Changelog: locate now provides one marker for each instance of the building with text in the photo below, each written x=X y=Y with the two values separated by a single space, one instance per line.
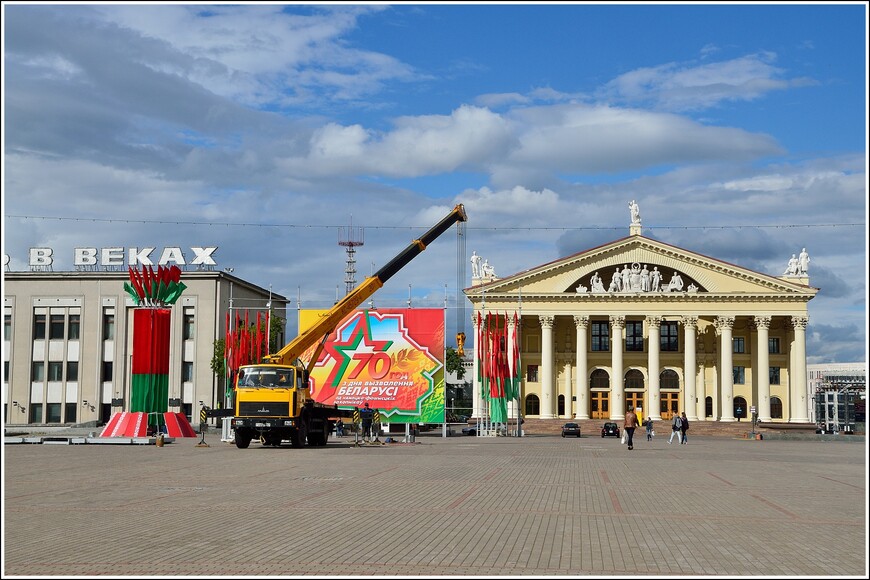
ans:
x=68 y=339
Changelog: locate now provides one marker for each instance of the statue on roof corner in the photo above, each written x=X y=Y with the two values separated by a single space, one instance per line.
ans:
x=635 y=212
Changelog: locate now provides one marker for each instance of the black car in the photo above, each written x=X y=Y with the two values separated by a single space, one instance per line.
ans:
x=610 y=430
x=470 y=430
x=571 y=429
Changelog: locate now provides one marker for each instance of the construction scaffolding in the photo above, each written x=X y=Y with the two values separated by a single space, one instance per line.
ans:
x=840 y=403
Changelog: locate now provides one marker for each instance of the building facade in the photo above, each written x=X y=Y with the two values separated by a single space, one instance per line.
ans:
x=68 y=340
x=641 y=324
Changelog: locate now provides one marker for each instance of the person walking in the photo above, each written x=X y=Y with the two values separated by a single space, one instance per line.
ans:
x=339 y=428
x=684 y=426
x=675 y=429
x=649 y=429
x=629 y=426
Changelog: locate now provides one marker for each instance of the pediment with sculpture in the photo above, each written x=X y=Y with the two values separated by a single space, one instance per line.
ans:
x=636 y=278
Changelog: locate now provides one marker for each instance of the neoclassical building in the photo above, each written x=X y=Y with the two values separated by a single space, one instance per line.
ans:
x=643 y=324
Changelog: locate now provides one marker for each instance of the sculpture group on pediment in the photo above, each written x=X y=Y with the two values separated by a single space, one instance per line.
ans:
x=635 y=278
x=481 y=270
x=798 y=265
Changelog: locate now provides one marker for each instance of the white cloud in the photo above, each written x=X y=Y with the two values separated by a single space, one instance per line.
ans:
x=681 y=87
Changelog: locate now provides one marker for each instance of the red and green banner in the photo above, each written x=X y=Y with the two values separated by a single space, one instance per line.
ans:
x=498 y=362
x=245 y=343
x=392 y=359
x=149 y=392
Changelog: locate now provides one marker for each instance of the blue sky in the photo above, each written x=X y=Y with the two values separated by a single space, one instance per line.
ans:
x=740 y=129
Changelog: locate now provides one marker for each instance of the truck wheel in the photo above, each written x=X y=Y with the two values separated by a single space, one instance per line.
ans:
x=242 y=440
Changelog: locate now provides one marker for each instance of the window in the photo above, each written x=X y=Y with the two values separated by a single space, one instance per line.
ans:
x=599 y=379
x=189 y=324
x=107 y=371
x=6 y=371
x=669 y=337
x=739 y=344
x=775 y=408
x=708 y=407
x=7 y=327
x=186 y=372
x=774 y=375
x=72 y=371
x=773 y=345
x=533 y=405
x=38 y=372
x=52 y=413
x=634 y=379
x=36 y=413
x=72 y=331
x=109 y=324
x=70 y=413
x=600 y=336
x=532 y=373
x=39 y=328
x=55 y=371
x=55 y=327
x=634 y=336
x=669 y=379
x=739 y=375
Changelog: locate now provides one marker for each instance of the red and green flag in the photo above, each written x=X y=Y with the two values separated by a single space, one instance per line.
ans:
x=149 y=391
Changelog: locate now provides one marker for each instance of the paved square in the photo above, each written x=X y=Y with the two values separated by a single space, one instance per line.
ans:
x=539 y=505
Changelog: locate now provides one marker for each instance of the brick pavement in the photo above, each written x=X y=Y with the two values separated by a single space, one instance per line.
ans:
x=457 y=506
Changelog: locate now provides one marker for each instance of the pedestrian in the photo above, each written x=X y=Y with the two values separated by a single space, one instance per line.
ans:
x=675 y=429
x=684 y=426
x=649 y=429
x=630 y=423
x=367 y=416
x=339 y=428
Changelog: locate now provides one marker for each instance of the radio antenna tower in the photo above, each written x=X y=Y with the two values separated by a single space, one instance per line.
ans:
x=351 y=238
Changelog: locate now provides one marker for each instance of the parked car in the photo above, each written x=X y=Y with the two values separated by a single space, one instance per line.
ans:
x=470 y=430
x=610 y=430
x=571 y=429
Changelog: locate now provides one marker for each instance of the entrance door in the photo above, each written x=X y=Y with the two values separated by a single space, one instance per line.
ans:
x=670 y=405
x=599 y=405
x=633 y=401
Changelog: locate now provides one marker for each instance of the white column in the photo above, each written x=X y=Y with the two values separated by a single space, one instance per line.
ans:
x=582 y=377
x=547 y=402
x=798 y=375
x=653 y=410
x=690 y=365
x=762 y=370
x=569 y=405
x=476 y=396
x=617 y=380
x=725 y=324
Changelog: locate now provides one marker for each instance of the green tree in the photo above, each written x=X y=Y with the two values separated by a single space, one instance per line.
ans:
x=454 y=363
x=219 y=366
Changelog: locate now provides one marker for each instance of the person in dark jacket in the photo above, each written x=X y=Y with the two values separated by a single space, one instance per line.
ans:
x=649 y=428
x=684 y=426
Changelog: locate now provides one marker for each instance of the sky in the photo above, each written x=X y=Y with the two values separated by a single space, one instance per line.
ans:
x=269 y=130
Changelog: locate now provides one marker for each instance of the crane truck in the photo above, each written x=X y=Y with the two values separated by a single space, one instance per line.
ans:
x=272 y=398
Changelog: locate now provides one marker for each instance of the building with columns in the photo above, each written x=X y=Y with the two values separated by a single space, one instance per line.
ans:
x=641 y=324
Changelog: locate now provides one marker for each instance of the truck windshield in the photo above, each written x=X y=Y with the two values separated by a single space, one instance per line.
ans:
x=266 y=377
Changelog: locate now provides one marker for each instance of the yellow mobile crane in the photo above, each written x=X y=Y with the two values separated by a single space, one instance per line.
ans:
x=272 y=398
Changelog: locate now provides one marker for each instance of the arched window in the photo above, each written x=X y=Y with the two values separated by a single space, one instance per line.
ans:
x=708 y=407
x=634 y=379
x=740 y=409
x=561 y=404
x=669 y=379
x=599 y=379
x=775 y=408
x=533 y=405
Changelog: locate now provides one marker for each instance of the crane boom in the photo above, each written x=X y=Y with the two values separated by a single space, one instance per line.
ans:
x=326 y=323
